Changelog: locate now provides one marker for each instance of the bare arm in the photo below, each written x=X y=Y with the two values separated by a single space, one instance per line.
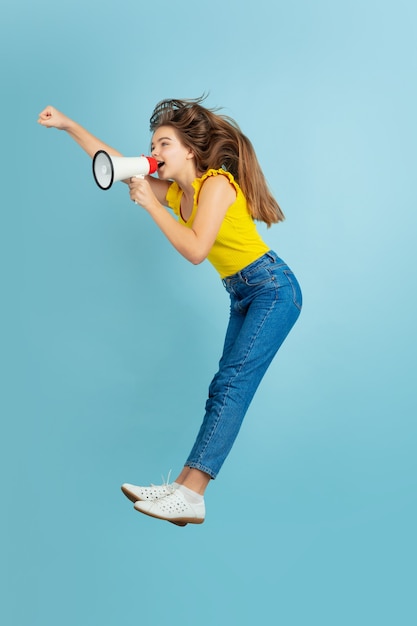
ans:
x=52 y=118
x=195 y=243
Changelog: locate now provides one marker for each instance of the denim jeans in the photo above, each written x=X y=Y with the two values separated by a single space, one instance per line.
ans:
x=265 y=302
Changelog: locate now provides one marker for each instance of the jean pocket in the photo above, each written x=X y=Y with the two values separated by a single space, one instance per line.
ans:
x=259 y=276
x=296 y=290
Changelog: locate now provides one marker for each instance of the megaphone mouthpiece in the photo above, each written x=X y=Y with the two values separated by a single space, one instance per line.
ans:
x=108 y=169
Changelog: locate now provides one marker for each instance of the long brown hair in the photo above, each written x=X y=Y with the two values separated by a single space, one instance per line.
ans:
x=217 y=142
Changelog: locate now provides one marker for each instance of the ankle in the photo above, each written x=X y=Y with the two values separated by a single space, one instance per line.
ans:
x=190 y=495
x=194 y=479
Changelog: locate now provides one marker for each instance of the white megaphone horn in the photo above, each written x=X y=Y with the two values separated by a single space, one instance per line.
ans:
x=110 y=169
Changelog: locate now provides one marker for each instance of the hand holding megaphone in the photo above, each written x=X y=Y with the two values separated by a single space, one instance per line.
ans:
x=109 y=169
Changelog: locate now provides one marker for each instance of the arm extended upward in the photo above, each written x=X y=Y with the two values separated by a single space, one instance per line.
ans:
x=52 y=118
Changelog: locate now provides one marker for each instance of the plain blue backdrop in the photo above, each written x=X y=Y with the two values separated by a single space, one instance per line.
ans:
x=109 y=338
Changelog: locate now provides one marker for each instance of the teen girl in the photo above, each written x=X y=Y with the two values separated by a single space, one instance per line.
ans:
x=209 y=176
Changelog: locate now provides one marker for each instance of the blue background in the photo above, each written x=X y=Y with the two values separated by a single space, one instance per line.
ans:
x=109 y=338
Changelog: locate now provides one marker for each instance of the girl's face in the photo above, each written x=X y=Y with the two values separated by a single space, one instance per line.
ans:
x=174 y=159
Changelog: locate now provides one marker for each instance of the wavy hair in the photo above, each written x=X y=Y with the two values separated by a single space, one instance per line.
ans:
x=217 y=142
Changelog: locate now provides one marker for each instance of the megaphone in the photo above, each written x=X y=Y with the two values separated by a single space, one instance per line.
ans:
x=109 y=169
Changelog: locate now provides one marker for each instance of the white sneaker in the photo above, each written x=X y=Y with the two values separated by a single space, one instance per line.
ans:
x=154 y=492
x=174 y=508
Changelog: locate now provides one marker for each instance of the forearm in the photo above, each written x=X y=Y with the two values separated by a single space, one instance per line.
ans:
x=196 y=242
x=184 y=239
x=88 y=142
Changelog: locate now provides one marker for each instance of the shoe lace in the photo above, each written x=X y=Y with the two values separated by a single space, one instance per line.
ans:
x=167 y=480
x=165 y=483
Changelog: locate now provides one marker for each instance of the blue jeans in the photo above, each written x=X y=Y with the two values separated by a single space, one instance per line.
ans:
x=265 y=303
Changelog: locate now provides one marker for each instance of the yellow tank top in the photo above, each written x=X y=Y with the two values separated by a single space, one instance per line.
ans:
x=238 y=242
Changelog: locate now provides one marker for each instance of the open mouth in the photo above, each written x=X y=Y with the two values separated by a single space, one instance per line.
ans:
x=161 y=164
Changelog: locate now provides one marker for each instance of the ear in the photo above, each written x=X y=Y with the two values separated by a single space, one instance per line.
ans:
x=190 y=154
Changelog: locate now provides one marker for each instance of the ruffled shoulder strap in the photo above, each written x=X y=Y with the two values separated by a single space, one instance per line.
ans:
x=220 y=172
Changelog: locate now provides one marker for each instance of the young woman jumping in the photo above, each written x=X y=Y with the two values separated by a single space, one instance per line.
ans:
x=210 y=178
